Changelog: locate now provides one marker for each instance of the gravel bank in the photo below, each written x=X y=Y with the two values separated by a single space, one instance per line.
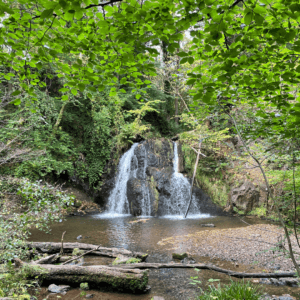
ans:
x=255 y=244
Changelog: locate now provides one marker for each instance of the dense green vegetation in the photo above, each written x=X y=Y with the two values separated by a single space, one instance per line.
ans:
x=235 y=290
x=80 y=81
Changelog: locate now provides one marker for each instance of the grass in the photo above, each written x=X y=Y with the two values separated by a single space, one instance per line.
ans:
x=235 y=290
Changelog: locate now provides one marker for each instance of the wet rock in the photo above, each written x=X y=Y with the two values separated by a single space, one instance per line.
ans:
x=285 y=297
x=79 y=237
x=293 y=282
x=179 y=256
x=158 y=298
x=265 y=281
x=53 y=288
x=245 y=197
x=89 y=296
x=275 y=267
x=280 y=282
x=208 y=225
x=188 y=260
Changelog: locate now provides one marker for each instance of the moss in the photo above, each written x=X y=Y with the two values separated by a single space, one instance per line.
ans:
x=77 y=252
x=131 y=260
x=84 y=286
x=179 y=256
x=155 y=192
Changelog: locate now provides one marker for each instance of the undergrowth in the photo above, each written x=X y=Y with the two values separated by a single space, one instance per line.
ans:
x=235 y=290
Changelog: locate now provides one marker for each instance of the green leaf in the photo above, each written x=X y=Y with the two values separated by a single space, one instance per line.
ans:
x=17 y=102
x=81 y=87
x=182 y=54
x=191 y=81
x=258 y=19
x=248 y=18
x=74 y=92
x=47 y=13
x=184 y=60
x=138 y=96
x=198 y=96
x=191 y=60
x=64 y=97
x=16 y=93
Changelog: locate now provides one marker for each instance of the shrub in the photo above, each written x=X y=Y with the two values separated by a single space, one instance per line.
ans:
x=235 y=290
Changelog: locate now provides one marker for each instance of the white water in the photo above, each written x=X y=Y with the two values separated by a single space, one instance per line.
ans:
x=117 y=201
x=180 y=196
x=146 y=201
x=175 y=205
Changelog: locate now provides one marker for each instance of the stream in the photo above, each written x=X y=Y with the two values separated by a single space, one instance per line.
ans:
x=168 y=283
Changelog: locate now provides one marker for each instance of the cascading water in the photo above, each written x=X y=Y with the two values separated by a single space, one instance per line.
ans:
x=134 y=173
x=117 y=201
x=146 y=201
x=181 y=189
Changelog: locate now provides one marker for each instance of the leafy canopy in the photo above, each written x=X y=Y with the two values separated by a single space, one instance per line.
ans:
x=248 y=50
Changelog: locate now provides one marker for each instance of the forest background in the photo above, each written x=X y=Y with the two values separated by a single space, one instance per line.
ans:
x=82 y=80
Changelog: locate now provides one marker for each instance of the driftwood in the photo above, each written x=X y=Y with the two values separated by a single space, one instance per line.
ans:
x=47 y=260
x=207 y=267
x=48 y=247
x=117 y=279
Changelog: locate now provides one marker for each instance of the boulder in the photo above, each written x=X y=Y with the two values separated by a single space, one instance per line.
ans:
x=245 y=197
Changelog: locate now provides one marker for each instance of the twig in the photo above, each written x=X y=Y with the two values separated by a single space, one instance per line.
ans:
x=62 y=244
x=81 y=255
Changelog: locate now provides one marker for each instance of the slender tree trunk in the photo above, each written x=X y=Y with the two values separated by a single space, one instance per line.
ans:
x=176 y=111
x=59 y=118
x=291 y=253
x=194 y=174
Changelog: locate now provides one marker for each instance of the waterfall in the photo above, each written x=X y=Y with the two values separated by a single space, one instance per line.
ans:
x=133 y=173
x=146 y=201
x=181 y=189
x=117 y=201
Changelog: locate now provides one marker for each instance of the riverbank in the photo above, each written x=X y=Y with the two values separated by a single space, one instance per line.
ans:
x=261 y=244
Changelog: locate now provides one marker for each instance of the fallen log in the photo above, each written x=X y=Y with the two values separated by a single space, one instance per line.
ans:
x=207 y=267
x=47 y=260
x=48 y=247
x=116 y=279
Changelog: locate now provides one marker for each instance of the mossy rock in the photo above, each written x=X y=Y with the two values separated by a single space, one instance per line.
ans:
x=179 y=256
x=77 y=252
x=121 y=259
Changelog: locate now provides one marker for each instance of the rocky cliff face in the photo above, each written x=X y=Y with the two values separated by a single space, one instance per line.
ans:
x=151 y=189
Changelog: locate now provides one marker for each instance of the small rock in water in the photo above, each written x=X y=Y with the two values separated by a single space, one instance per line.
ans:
x=208 y=225
x=275 y=267
x=89 y=296
x=62 y=289
x=265 y=281
x=188 y=260
x=79 y=237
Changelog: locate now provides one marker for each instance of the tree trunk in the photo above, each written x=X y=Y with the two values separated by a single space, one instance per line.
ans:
x=194 y=175
x=59 y=118
x=207 y=267
x=48 y=247
x=116 y=279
